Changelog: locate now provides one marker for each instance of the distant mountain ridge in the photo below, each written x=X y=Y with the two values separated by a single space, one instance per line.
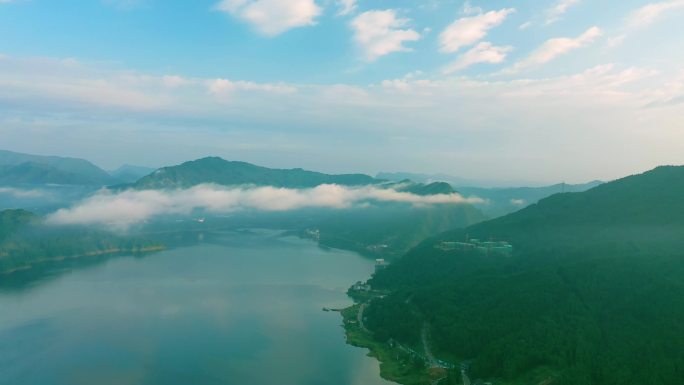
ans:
x=456 y=181
x=129 y=173
x=506 y=200
x=223 y=172
x=497 y=201
x=18 y=168
x=653 y=198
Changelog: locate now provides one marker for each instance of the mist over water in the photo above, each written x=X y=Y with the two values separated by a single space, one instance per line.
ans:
x=122 y=209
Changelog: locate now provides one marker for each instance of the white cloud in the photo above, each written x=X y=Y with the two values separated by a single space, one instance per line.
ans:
x=525 y=25
x=125 y=208
x=380 y=33
x=518 y=202
x=649 y=13
x=616 y=41
x=469 y=30
x=22 y=193
x=484 y=52
x=446 y=121
x=173 y=81
x=553 y=48
x=224 y=86
x=559 y=9
x=273 y=17
x=68 y=84
x=346 y=7
x=469 y=9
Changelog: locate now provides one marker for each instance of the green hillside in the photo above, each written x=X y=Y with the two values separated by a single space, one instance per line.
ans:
x=388 y=230
x=18 y=168
x=223 y=172
x=592 y=294
x=25 y=242
x=128 y=173
x=502 y=201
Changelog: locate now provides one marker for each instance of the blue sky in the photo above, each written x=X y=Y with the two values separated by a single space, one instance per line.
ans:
x=536 y=91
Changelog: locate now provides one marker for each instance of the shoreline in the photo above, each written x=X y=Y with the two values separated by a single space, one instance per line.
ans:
x=396 y=365
x=40 y=261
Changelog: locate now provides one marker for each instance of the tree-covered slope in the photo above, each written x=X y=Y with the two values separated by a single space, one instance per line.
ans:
x=219 y=171
x=25 y=241
x=502 y=201
x=18 y=168
x=593 y=293
x=387 y=230
x=13 y=220
x=129 y=173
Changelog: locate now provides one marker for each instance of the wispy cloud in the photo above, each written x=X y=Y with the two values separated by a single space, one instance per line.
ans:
x=482 y=53
x=556 y=47
x=23 y=193
x=225 y=86
x=649 y=13
x=273 y=17
x=123 y=209
x=448 y=117
x=346 y=7
x=469 y=30
x=380 y=33
x=558 y=10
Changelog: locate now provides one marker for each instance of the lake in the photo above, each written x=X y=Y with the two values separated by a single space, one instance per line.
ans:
x=240 y=308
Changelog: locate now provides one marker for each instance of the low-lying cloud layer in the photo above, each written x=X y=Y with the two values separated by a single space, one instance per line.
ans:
x=22 y=193
x=122 y=209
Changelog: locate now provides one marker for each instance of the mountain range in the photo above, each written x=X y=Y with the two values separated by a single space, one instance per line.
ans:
x=129 y=173
x=17 y=168
x=223 y=172
x=26 y=169
x=591 y=294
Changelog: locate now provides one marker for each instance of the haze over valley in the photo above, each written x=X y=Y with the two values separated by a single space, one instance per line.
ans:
x=341 y=192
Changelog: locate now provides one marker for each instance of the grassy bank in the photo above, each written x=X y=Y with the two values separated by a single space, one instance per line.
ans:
x=395 y=364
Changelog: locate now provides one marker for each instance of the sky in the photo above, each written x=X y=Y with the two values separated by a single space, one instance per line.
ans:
x=543 y=91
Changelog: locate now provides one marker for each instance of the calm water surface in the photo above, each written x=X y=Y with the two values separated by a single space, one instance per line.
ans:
x=244 y=308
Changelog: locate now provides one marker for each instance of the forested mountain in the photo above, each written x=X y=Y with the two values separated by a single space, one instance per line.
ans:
x=497 y=201
x=506 y=200
x=433 y=188
x=13 y=220
x=388 y=230
x=223 y=172
x=40 y=174
x=25 y=241
x=129 y=173
x=17 y=168
x=592 y=294
x=451 y=179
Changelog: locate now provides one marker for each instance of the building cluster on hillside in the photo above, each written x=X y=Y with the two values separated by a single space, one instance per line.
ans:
x=377 y=248
x=314 y=234
x=380 y=264
x=484 y=247
x=361 y=286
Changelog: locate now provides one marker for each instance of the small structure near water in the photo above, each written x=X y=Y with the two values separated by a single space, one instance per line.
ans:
x=502 y=248
x=380 y=264
x=360 y=286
